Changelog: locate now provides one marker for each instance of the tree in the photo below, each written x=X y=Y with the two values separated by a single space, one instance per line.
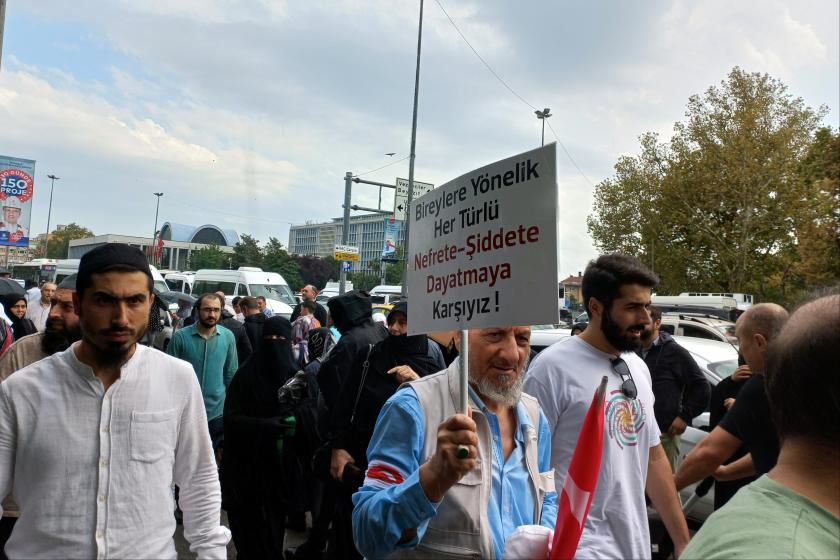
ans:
x=208 y=257
x=276 y=259
x=716 y=208
x=247 y=252
x=317 y=271
x=59 y=240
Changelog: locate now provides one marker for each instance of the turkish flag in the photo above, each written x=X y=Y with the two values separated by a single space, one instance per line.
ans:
x=581 y=480
x=159 y=248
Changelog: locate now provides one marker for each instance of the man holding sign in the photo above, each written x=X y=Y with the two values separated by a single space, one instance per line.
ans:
x=501 y=482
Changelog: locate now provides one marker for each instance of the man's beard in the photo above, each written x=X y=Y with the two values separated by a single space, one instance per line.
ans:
x=618 y=338
x=114 y=353
x=57 y=337
x=206 y=324
x=506 y=396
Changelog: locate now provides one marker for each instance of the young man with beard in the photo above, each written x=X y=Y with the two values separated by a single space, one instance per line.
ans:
x=93 y=438
x=211 y=350
x=616 y=292
x=421 y=498
x=62 y=330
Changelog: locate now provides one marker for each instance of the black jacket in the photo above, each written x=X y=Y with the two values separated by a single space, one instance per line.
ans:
x=253 y=327
x=243 y=344
x=679 y=387
x=351 y=314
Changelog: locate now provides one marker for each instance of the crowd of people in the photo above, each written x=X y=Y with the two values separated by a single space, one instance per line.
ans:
x=106 y=444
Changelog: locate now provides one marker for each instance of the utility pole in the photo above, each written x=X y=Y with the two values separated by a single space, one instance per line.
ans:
x=2 y=26
x=410 y=196
x=542 y=115
x=345 y=228
x=155 y=233
x=52 y=179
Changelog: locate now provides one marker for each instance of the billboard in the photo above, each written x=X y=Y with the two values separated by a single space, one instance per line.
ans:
x=389 y=249
x=17 y=184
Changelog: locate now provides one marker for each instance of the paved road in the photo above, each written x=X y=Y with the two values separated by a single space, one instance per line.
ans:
x=293 y=538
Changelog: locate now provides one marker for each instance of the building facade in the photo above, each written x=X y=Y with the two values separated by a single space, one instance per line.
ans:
x=174 y=255
x=366 y=231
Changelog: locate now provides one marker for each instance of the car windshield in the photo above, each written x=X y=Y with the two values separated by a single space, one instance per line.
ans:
x=723 y=369
x=161 y=286
x=279 y=292
x=726 y=329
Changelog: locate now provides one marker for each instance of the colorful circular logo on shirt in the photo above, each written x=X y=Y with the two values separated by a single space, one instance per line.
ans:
x=625 y=419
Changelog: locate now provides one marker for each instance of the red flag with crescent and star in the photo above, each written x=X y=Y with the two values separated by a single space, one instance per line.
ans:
x=581 y=480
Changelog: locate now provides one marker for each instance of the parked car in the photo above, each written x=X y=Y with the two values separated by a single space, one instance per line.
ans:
x=699 y=326
x=543 y=336
x=247 y=281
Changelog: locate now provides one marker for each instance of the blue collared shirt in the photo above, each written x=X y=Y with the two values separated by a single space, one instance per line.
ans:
x=383 y=511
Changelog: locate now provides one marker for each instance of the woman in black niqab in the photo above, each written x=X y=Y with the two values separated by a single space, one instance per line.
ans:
x=255 y=478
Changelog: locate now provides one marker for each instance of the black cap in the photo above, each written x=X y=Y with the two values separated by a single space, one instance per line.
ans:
x=107 y=256
x=68 y=283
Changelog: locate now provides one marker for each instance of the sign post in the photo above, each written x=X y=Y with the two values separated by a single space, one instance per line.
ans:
x=401 y=195
x=484 y=249
x=346 y=253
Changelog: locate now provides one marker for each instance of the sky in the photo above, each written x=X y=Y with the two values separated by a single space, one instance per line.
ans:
x=248 y=113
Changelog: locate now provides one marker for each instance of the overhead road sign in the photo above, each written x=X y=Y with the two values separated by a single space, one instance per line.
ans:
x=401 y=196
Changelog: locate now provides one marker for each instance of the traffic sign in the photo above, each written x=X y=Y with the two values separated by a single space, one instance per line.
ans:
x=346 y=266
x=346 y=253
x=401 y=197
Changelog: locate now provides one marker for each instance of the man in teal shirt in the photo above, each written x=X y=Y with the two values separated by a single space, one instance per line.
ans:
x=211 y=349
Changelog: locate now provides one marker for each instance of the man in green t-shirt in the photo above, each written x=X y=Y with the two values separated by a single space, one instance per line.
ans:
x=794 y=510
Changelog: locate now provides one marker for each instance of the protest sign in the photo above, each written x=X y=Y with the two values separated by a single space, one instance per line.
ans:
x=17 y=185
x=484 y=247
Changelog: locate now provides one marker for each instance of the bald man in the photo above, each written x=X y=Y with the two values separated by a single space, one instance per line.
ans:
x=39 y=310
x=748 y=422
x=794 y=511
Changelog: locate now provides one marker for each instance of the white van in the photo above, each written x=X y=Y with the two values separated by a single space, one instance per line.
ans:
x=387 y=294
x=720 y=306
x=331 y=290
x=247 y=281
x=180 y=281
x=745 y=301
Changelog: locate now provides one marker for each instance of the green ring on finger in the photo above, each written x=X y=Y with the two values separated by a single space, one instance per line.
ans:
x=463 y=452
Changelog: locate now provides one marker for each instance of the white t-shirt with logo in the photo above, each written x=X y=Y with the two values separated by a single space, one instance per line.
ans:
x=564 y=378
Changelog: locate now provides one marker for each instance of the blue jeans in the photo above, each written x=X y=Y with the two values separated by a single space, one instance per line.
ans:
x=217 y=432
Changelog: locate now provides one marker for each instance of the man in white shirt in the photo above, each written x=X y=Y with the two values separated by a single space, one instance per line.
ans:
x=94 y=439
x=38 y=311
x=616 y=292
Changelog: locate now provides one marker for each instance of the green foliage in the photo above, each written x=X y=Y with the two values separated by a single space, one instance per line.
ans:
x=363 y=281
x=208 y=257
x=59 y=240
x=247 y=252
x=317 y=271
x=723 y=205
x=276 y=259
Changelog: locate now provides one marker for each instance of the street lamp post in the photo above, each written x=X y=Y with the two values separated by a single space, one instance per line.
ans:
x=155 y=233
x=542 y=115
x=52 y=179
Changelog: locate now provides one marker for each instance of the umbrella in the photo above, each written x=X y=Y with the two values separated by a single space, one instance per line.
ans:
x=176 y=297
x=10 y=287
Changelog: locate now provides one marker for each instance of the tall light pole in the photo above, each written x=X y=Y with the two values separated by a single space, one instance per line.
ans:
x=154 y=234
x=542 y=115
x=2 y=25
x=52 y=179
x=410 y=196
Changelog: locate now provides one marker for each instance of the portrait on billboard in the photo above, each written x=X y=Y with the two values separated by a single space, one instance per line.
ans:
x=17 y=184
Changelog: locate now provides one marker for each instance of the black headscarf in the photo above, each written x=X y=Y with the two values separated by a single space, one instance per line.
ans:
x=271 y=366
x=20 y=326
x=412 y=351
